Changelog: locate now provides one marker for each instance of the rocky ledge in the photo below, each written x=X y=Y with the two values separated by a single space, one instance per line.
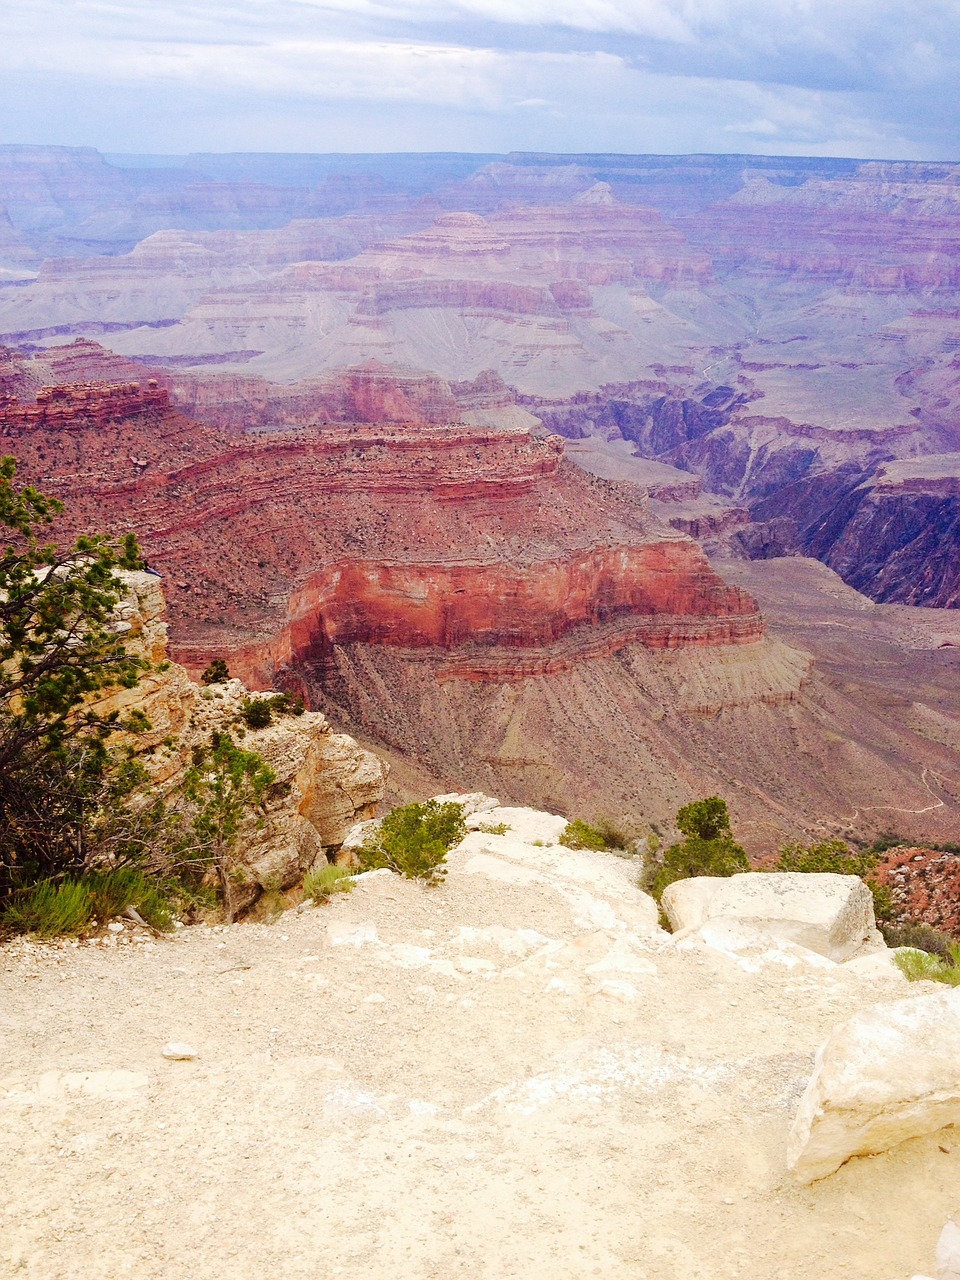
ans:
x=325 y=782
x=520 y=1058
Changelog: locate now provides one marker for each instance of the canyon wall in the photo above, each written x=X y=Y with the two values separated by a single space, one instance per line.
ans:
x=470 y=602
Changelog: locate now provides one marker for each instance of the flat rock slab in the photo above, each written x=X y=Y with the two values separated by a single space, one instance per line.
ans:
x=829 y=914
x=890 y=1073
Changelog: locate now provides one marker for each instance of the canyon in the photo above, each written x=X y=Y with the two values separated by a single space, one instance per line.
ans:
x=474 y=606
x=784 y=329
x=432 y=441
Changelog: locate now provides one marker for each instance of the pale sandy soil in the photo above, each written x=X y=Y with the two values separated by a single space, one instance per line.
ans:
x=506 y=1076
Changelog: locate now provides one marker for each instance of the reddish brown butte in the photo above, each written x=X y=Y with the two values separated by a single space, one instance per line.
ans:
x=80 y=406
x=372 y=392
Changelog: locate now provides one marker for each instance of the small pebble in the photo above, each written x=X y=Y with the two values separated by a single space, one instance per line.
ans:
x=115 y=926
x=177 y=1052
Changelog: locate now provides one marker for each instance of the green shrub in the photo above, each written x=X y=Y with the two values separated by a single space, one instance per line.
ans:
x=285 y=704
x=921 y=966
x=493 y=828
x=256 y=712
x=74 y=905
x=327 y=879
x=705 y=819
x=48 y=909
x=605 y=835
x=414 y=840
x=216 y=673
x=697 y=857
x=615 y=837
x=111 y=892
x=708 y=850
x=918 y=937
x=580 y=835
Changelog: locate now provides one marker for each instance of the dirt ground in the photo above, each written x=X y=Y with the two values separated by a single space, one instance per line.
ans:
x=511 y=1075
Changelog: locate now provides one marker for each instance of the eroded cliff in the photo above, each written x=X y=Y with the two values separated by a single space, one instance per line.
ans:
x=324 y=781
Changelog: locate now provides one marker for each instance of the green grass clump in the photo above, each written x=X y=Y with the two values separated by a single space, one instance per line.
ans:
x=48 y=909
x=111 y=892
x=921 y=966
x=414 y=840
x=74 y=906
x=322 y=882
x=493 y=828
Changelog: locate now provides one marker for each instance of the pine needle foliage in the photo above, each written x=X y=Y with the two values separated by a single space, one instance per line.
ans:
x=224 y=785
x=58 y=647
x=414 y=840
x=708 y=848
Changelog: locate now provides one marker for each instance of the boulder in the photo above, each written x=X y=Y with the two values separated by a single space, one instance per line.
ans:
x=475 y=804
x=685 y=902
x=829 y=914
x=891 y=1073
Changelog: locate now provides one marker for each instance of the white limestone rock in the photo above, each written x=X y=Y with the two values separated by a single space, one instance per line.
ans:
x=948 y=1252
x=685 y=902
x=751 y=948
x=475 y=804
x=176 y=1051
x=829 y=914
x=891 y=1073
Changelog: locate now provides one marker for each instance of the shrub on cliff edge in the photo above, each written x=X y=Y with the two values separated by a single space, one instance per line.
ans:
x=708 y=849
x=59 y=646
x=414 y=840
x=578 y=834
x=837 y=858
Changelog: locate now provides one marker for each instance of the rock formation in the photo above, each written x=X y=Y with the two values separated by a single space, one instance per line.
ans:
x=522 y=1047
x=925 y=885
x=84 y=406
x=324 y=782
x=829 y=914
x=467 y=598
x=781 y=328
x=889 y=1074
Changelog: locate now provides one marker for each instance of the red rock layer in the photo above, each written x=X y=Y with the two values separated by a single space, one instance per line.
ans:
x=83 y=405
x=663 y=596
x=277 y=549
x=374 y=392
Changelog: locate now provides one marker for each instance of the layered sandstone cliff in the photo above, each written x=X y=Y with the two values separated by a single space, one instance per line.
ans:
x=483 y=610
x=324 y=781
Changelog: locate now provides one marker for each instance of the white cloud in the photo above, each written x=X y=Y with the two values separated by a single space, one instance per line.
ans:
x=865 y=76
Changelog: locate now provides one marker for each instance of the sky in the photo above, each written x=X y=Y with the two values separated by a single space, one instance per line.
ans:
x=864 y=78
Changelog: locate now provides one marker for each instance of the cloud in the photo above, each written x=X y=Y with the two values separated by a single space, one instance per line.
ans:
x=865 y=76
